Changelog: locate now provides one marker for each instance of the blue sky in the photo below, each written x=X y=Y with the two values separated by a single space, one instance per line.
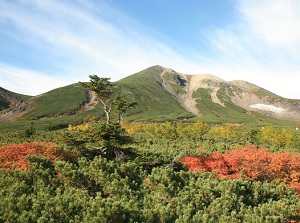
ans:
x=45 y=44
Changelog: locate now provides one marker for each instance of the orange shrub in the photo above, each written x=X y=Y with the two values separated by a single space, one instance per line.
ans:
x=14 y=155
x=258 y=164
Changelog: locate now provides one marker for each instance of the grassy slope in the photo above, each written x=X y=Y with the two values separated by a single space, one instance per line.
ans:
x=61 y=105
x=154 y=102
x=215 y=113
x=51 y=123
x=19 y=97
x=61 y=101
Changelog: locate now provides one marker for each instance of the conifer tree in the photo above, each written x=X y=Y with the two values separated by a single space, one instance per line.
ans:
x=122 y=104
x=101 y=86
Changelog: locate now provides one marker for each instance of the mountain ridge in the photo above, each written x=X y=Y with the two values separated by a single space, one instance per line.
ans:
x=243 y=94
x=164 y=94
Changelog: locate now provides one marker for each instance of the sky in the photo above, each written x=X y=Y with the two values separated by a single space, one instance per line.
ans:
x=46 y=44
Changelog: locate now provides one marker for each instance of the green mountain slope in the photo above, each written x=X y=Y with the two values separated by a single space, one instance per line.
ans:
x=154 y=102
x=58 y=102
x=162 y=95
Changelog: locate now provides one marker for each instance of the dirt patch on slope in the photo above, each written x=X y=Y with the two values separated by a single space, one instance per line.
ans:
x=194 y=82
x=92 y=101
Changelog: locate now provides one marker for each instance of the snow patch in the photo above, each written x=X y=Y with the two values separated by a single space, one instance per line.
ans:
x=271 y=108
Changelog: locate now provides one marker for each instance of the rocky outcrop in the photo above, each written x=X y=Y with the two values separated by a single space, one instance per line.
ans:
x=241 y=93
x=14 y=111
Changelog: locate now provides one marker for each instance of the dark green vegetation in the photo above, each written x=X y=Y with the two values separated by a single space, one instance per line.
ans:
x=147 y=184
x=104 y=191
x=103 y=171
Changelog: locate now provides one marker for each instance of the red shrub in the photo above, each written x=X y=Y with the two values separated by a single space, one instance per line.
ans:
x=15 y=155
x=258 y=164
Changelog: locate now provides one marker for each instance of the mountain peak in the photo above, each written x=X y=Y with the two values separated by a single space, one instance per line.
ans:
x=163 y=94
x=244 y=85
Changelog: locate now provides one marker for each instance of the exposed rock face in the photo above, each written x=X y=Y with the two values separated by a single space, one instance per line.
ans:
x=92 y=102
x=243 y=94
x=10 y=105
x=266 y=102
x=14 y=111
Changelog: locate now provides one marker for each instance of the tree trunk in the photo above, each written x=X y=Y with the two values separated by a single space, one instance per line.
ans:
x=120 y=118
x=107 y=116
x=107 y=110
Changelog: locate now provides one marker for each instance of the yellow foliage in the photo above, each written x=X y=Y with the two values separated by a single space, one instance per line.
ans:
x=227 y=131
x=82 y=127
x=276 y=136
x=133 y=127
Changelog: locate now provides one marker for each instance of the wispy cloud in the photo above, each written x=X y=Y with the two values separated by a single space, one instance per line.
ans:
x=18 y=80
x=262 y=46
x=71 y=39
x=80 y=42
x=275 y=22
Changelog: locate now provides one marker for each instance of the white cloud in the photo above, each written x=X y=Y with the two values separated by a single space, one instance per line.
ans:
x=88 y=37
x=277 y=22
x=85 y=43
x=19 y=80
x=262 y=46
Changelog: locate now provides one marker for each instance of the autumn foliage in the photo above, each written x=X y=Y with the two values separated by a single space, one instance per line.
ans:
x=14 y=155
x=254 y=163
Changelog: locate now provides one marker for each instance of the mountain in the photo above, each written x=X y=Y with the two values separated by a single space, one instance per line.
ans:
x=162 y=95
x=12 y=103
x=209 y=98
